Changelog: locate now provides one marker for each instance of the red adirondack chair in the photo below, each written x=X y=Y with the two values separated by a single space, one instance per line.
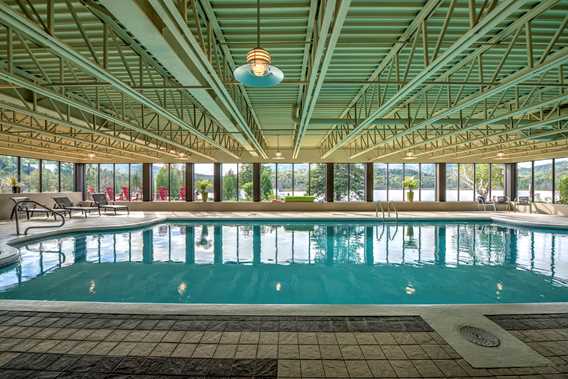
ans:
x=181 y=193
x=110 y=193
x=163 y=193
x=124 y=195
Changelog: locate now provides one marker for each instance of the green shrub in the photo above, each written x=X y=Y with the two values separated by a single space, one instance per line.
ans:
x=563 y=189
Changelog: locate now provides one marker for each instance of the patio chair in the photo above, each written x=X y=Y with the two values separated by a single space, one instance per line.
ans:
x=28 y=208
x=483 y=203
x=101 y=202
x=163 y=193
x=64 y=203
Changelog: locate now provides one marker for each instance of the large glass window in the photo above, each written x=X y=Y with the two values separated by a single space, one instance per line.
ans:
x=92 y=178
x=349 y=182
x=177 y=182
x=203 y=176
x=160 y=181
x=466 y=182
x=497 y=180
x=561 y=180
x=121 y=185
x=245 y=183
x=136 y=182
x=428 y=182
x=395 y=175
x=29 y=171
x=284 y=180
x=317 y=180
x=301 y=179
x=482 y=180
x=341 y=182
x=543 y=181
x=524 y=179
x=380 y=182
x=229 y=182
x=268 y=177
x=8 y=169
x=67 y=172
x=50 y=176
x=106 y=175
x=452 y=180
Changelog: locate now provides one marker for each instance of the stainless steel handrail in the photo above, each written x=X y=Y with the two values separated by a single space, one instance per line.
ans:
x=18 y=207
x=377 y=235
x=396 y=221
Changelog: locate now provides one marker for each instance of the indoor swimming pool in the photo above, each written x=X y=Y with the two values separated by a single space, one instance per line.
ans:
x=294 y=262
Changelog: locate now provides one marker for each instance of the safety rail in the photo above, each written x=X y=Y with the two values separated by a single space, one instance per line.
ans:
x=20 y=206
x=378 y=206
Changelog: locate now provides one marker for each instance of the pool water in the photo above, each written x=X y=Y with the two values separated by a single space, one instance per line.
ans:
x=297 y=263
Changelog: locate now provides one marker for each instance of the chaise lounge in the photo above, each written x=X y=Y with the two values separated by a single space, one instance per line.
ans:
x=63 y=202
x=101 y=202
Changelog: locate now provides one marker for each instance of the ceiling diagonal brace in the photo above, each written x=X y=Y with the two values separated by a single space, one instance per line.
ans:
x=458 y=48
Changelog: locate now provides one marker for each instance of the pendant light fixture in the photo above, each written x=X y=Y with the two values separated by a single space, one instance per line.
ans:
x=278 y=154
x=258 y=72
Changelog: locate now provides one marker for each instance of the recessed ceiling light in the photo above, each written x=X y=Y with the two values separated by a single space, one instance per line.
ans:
x=91 y=155
x=500 y=155
x=409 y=155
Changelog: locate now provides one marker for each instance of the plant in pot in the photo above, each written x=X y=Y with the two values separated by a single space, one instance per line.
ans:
x=13 y=182
x=202 y=187
x=410 y=184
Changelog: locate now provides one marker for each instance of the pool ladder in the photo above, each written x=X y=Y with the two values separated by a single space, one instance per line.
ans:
x=379 y=206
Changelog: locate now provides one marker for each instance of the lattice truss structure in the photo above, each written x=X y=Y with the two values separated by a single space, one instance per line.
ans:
x=74 y=81
x=466 y=81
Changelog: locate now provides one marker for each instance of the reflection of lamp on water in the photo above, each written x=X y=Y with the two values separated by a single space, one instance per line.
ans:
x=499 y=288
x=182 y=289
x=92 y=287
x=278 y=286
x=204 y=238
x=410 y=290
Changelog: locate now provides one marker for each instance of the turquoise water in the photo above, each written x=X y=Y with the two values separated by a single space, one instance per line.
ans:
x=297 y=263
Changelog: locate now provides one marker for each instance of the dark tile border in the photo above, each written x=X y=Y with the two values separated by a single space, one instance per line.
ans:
x=531 y=322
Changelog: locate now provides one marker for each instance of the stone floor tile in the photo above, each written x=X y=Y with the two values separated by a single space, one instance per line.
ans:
x=287 y=338
x=351 y=352
x=288 y=368
x=403 y=338
x=6 y=357
x=435 y=352
x=22 y=345
x=365 y=339
x=44 y=346
x=358 y=369
x=309 y=352
x=334 y=369
x=211 y=337
x=326 y=338
x=427 y=368
x=63 y=333
x=228 y=351
x=393 y=352
x=268 y=338
x=345 y=338
x=142 y=349
x=372 y=352
x=414 y=352
x=163 y=349
x=136 y=336
x=8 y=343
x=103 y=348
x=204 y=350
x=249 y=338
x=404 y=369
x=232 y=338
x=173 y=336
x=154 y=336
x=83 y=347
x=311 y=368
x=49 y=332
x=192 y=337
x=422 y=338
x=288 y=352
x=117 y=335
x=384 y=338
x=81 y=334
x=330 y=352
x=381 y=369
x=99 y=334
x=183 y=350
x=307 y=338
x=246 y=351
x=450 y=367
x=267 y=351
x=122 y=348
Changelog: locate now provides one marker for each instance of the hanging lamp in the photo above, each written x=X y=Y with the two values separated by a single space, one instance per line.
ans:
x=258 y=72
x=278 y=154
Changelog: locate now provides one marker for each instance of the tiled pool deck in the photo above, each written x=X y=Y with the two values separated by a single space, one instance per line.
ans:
x=42 y=344
x=39 y=343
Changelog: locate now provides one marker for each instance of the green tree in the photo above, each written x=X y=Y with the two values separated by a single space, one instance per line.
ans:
x=245 y=182
x=563 y=189
x=230 y=186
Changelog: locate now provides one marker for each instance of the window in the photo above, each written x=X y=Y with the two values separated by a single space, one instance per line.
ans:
x=395 y=175
x=50 y=176
x=428 y=182
x=203 y=174
x=380 y=181
x=543 y=181
x=452 y=180
x=482 y=180
x=349 y=182
x=92 y=177
x=268 y=179
x=561 y=180
x=136 y=182
x=284 y=180
x=121 y=185
x=229 y=182
x=412 y=170
x=106 y=177
x=177 y=182
x=497 y=180
x=301 y=179
x=160 y=181
x=524 y=179
x=245 y=183
x=317 y=180
x=29 y=172
x=8 y=169
x=67 y=173
x=466 y=182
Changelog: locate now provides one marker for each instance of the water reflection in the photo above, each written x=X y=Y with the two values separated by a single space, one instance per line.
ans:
x=413 y=246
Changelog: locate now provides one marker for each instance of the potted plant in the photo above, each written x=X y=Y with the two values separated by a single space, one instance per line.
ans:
x=13 y=182
x=410 y=184
x=203 y=186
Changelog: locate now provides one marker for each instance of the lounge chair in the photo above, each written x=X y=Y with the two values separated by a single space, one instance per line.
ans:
x=30 y=209
x=101 y=202
x=63 y=202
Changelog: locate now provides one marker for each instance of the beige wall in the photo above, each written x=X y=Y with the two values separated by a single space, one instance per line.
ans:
x=45 y=198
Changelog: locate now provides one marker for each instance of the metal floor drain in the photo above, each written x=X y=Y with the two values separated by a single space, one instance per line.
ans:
x=480 y=337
